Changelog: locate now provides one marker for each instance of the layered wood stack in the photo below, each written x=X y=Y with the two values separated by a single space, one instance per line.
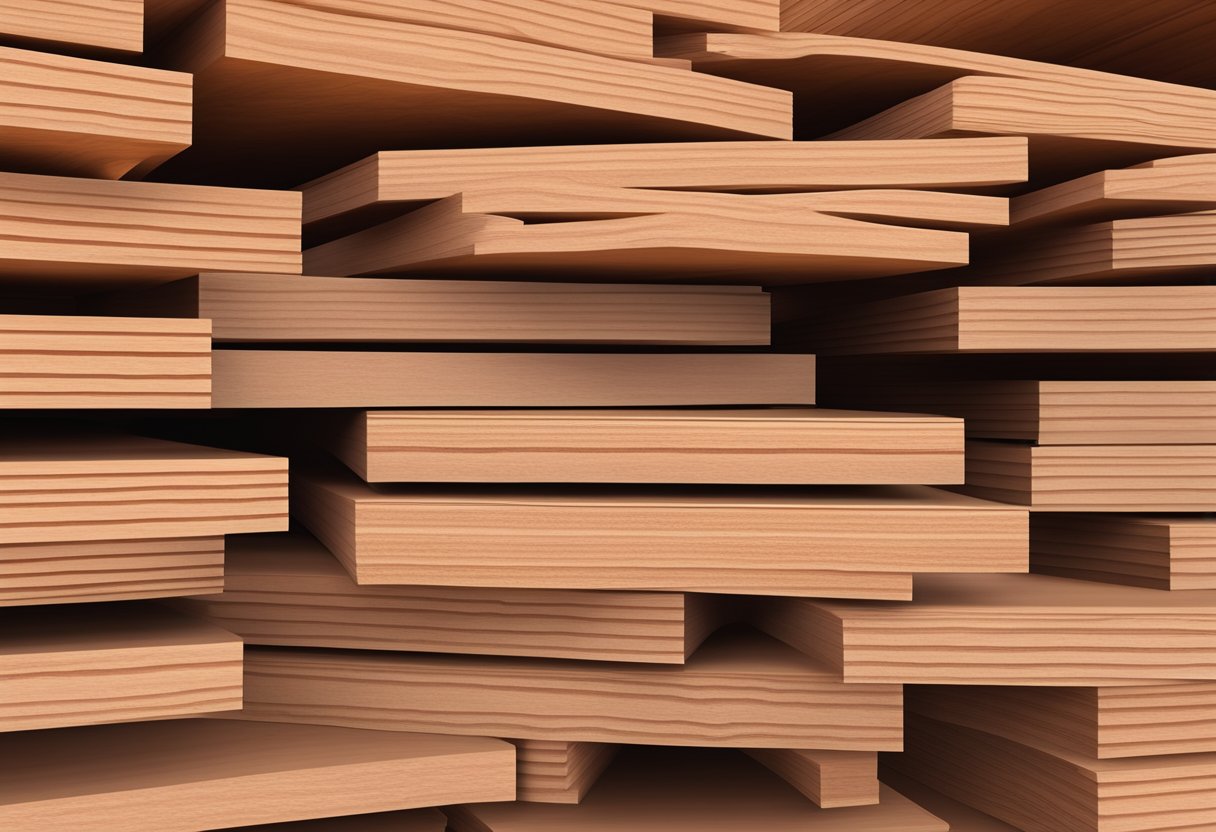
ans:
x=502 y=415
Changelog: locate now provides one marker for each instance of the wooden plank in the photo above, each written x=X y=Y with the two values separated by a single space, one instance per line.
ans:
x=774 y=446
x=1094 y=477
x=1155 y=551
x=555 y=771
x=287 y=590
x=411 y=820
x=74 y=486
x=312 y=378
x=100 y=24
x=962 y=818
x=195 y=774
x=62 y=666
x=1006 y=629
x=739 y=690
x=110 y=570
x=831 y=779
x=692 y=791
x=842 y=543
x=720 y=14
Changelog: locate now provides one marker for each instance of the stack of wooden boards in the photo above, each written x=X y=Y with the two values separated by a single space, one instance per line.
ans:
x=606 y=415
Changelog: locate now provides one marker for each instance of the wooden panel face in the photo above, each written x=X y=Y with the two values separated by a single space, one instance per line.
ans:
x=107 y=24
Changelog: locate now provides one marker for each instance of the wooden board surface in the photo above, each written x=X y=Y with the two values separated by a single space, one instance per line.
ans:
x=411 y=820
x=194 y=774
x=739 y=690
x=286 y=589
x=102 y=24
x=774 y=446
x=962 y=818
x=842 y=543
x=63 y=666
x=312 y=378
x=831 y=779
x=555 y=771
x=1155 y=551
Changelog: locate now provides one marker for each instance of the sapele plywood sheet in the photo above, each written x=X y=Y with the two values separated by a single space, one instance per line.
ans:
x=556 y=771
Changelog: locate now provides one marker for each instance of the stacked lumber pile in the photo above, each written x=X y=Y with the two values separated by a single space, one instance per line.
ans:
x=606 y=415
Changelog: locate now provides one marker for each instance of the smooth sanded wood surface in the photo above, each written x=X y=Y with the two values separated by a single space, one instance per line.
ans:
x=739 y=690
x=105 y=24
x=86 y=665
x=287 y=590
x=831 y=779
x=315 y=378
x=770 y=446
x=1011 y=629
x=1094 y=477
x=658 y=790
x=410 y=820
x=962 y=818
x=110 y=570
x=851 y=543
x=75 y=484
x=556 y=771
x=1151 y=550
x=75 y=362
x=190 y=775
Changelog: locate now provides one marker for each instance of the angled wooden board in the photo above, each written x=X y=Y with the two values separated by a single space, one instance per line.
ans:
x=287 y=590
x=831 y=779
x=739 y=690
x=101 y=24
x=189 y=775
x=556 y=771
x=962 y=818
x=63 y=666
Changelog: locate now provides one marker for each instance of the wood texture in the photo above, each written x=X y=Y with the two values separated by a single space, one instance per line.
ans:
x=773 y=446
x=286 y=589
x=295 y=378
x=549 y=771
x=847 y=543
x=72 y=362
x=831 y=779
x=195 y=774
x=411 y=820
x=739 y=690
x=962 y=818
x=103 y=24
x=63 y=666
x=1006 y=629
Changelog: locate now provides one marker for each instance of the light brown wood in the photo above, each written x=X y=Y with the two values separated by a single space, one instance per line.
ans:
x=693 y=791
x=1006 y=629
x=286 y=590
x=961 y=818
x=62 y=666
x=92 y=235
x=858 y=543
x=103 y=24
x=1155 y=551
x=77 y=485
x=70 y=362
x=739 y=690
x=554 y=771
x=194 y=774
x=772 y=446
x=110 y=570
x=1094 y=477
x=411 y=820
x=831 y=779
x=744 y=14
x=295 y=378
x=406 y=178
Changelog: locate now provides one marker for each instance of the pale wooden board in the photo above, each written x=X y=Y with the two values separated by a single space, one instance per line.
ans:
x=408 y=177
x=78 y=485
x=800 y=446
x=739 y=690
x=285 y=589
x=103 y=24
x=557 y=771
x=73 y=362
x=411 y=820
x=1157 y=551
x=1013 y=629
x=110 y=570
x=718 y=14
x=297 y=378
x=1094 y=477
x=855 y=543
x=190 y=775
x=831 y=779
x=65 y=665
x=651 y=790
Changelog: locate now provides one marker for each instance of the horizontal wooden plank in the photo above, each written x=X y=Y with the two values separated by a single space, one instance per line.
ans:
x=410 y=820
x=831 y=779
x=101 y=24
x=555 y=771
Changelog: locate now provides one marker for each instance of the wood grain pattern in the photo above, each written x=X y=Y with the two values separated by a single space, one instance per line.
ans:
x=194 y=774
x=287 y=590
x=1094 y=477
x=962 y=818
x=78 y=486
x=104 y=24
x=110 y=570
x=71 y=362
x=831 y=779
x=739 y=690
x=846 y=543
x=773 y=446
x=693 y=791
x=1006 y=629
x=553 y=771
x=296 y=378
x=411 y=820
x=745 y=14
x=62 y=666
x=1155 y=551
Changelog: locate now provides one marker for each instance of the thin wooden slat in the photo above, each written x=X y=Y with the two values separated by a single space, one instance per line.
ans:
x=551 y=771
x=411 y=820
x=831 y=779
